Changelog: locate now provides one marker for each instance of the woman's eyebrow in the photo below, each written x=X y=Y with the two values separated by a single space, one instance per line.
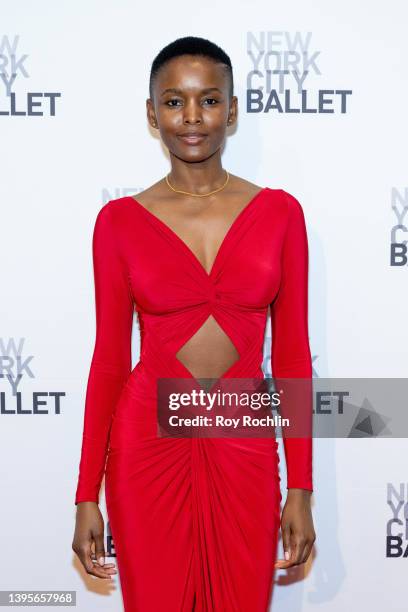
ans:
x=180 y=91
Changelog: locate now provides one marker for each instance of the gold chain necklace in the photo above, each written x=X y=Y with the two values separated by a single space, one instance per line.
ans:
x=198 y=195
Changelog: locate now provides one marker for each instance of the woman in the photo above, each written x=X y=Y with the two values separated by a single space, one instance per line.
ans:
x=200 y=254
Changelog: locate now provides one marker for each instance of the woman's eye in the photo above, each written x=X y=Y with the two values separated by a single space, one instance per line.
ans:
x=172 y=100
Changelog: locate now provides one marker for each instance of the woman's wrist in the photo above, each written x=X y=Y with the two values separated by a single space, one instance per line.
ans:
x=298 y=492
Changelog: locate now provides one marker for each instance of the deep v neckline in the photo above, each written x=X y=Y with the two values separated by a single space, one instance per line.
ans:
x=184 y=245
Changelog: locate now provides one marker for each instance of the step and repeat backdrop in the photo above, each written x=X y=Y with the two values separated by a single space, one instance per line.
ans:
x=323 y=98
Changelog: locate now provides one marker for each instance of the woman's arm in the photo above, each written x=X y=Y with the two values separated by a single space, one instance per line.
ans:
x=111 y=360
x=291 y=357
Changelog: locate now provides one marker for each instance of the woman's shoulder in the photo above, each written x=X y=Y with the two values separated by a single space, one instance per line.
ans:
x=118 y=207
x=114 y=215
x=286 y=200
x=283 y=208
x=292 y=202
x=276 y=193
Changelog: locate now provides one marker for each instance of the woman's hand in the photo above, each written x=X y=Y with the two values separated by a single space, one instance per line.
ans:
x=89 y=531
x=298 y=533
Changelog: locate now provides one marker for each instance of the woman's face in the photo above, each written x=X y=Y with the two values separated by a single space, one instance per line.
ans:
x=191 y=106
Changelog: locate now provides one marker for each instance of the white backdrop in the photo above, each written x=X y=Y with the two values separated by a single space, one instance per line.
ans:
x=88 y=63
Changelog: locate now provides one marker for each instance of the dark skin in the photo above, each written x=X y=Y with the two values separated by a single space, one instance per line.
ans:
x=192 y=93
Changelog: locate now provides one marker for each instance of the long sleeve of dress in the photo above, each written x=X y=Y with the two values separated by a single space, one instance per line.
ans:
x=291 y=357
x=111 y=360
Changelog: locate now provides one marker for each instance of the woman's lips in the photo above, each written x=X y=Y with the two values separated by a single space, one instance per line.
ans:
x=193 y=140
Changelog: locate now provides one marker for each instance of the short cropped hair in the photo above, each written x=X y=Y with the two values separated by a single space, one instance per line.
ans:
x=191 y=45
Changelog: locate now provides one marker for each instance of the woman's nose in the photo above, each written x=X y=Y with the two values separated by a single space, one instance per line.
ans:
x=192 y=113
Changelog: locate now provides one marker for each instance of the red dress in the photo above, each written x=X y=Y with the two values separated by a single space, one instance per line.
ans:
x=195 y=522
